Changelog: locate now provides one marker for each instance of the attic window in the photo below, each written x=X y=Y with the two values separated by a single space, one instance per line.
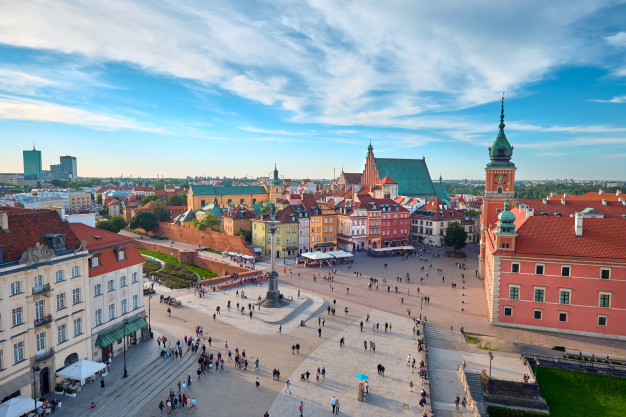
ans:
x=557 y=214
x=543 y=213
x=97 y=237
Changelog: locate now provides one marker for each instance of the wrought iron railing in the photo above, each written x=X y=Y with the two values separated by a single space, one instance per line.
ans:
x=43 y=320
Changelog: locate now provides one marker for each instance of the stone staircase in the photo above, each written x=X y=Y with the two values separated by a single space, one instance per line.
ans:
x=153 y=378
x=294 y=313
x=476 y=389
x=319 y=311
x=431 y=332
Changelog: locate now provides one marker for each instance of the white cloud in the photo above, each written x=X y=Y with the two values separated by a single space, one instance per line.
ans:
x=619 y=39
x=347 y=63
x=17 y=108
x=616 y=99
x=583 y=141
x=275 y=131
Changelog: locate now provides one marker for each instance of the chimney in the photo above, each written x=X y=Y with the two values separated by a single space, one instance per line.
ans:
x=563 y=201
x=618 y=192
x=4 y=220
x=60 y=211
x=604 y=202
x=545 y=201
x=578 y=224
x=600 y=191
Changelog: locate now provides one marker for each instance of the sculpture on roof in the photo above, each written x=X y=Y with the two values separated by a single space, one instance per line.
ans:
x=38 y=253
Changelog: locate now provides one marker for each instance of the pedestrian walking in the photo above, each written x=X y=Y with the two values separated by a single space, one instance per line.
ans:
x=464 y=403
x=102 y=387
x=301 y=408
x=288 y=389
x=319 y=332
x=333 y=403
x=457 y=399
x=258 y=383
x=161 y=407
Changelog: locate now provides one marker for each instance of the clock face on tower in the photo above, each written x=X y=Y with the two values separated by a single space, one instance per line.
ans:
x=500 y=178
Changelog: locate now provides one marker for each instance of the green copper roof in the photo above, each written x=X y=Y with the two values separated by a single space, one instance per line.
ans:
x=441 y=193
x=506 y=220
x=501 y=151
x=227 y=190
x=411 y=175
x=187 y=216
x=276 y=180
x=212 y=208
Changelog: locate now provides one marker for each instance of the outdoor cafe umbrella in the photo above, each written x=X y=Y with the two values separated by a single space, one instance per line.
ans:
x=17 y=406
x=362 y=377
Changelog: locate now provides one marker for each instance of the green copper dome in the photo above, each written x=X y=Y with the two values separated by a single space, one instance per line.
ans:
x=501 y=151
x=276 y=180
x=506 y=220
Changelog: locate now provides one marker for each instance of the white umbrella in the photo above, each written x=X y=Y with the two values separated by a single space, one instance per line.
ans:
x=81 y=370
x=17 y=406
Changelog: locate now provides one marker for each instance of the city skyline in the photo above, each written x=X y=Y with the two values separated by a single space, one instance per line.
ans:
x=227 y=91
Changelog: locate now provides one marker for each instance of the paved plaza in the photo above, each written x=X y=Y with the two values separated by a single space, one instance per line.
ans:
x=232 y=392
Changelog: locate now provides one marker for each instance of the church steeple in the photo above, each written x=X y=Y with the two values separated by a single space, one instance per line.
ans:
x=506 y=220
x=501 y=151
x=370 y=148
x=276 y=180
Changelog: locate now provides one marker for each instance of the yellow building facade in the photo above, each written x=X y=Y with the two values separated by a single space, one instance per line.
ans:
x=199 y=195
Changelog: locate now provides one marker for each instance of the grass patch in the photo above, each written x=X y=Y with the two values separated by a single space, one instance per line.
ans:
x=176 y=276
x=204 y=273
x=475 y=340
x=472 y=339
x=569 y=392
x=212 y=250
x=510 y=412
x=150 y=267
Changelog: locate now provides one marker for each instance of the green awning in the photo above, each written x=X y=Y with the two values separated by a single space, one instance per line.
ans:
x=115 y=333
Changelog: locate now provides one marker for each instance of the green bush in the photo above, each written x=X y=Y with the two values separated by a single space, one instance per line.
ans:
x=176 y=276
x=150 y=267
x=204 y=273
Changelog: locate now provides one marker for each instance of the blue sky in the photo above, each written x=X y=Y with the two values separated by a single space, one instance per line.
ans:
x=228 y=88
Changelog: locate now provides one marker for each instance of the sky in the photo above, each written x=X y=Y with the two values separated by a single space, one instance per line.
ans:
x=228 y=88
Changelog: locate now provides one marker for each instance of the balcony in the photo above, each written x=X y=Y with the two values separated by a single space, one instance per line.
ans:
x=42 y=289
x=40 y=357
x=43 y=321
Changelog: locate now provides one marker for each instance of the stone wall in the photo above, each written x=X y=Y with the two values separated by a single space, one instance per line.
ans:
x=191 y=258
x=513 y=393
x=206 y=238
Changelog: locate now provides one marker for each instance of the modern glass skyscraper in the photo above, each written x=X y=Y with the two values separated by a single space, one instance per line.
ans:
x=68 y=165
x=32 y=165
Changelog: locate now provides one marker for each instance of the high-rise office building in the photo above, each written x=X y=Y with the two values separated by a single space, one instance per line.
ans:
x=32 y=165
x=68 y=166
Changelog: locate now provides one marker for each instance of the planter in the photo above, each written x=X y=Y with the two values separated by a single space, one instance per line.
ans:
x=73 y=395
x=58 y=392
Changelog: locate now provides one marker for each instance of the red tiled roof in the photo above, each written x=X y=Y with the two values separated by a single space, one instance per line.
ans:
x=330 y=202
x=26 y=228
x=602 y=239
x=437 y=209
x=348 y=194
x=387 y=180
x=591 y=196
x=112 y=187
x=104 y=243
x=143 y=188
x=612 y=208
x=113 y=203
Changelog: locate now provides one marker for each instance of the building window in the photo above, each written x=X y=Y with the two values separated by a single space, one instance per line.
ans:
x=564 y=296
x=135 y=302
x=111 y=285
x=18 y=352
x=601 y=320
x=17 y=316
x=78 y=327
x=111 y=311
x=539 y=269
x=97 y=290
x=16 y=287
x=1 y=362
x=123 y=281
x=59 y=276
x=62 y=334
x=124 y=304
x=563 y=316
x=605 y=273
x=94 y=262
x=39 y=281
x=539 y=294
x=605 y=300
x=565 y=271
x=75 y=271
x=537 y=313
x=120 y=255
x=41 y=342
x=76 y=296
x=513 y=292
x=60 y=301
x=134 y=277
x=40 y=311
x=508 y=311
x=98 y=317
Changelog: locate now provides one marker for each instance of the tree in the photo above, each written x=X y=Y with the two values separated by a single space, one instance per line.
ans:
x=99 y=199
x=471 y=213
x=247 y=235
x=209 y=221
x=145 y=220
x=103 y=211
x=114 y=224
x=159 y=185
x=455 y=236
x=38 y=184
x=150 y=198
x=177 y=200
x=161 y=213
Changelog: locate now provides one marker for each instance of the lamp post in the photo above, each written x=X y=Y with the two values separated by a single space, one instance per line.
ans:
x=490 y=359
x=125 y=371
x=149 y=315
x=35 y=370
x=421 y=302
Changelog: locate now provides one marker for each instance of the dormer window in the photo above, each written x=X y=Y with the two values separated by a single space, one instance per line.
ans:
x=121 y=256
x=95 y=262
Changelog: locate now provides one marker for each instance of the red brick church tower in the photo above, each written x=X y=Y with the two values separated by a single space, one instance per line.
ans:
x=499 y=184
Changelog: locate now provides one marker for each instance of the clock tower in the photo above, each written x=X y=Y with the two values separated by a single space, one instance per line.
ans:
x=499 y=185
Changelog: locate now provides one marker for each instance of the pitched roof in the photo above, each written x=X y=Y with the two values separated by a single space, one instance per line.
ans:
x=226 y=190
x=187 y=216
x=441 y=192
x=113 y=203
x=437 y=209
x=411 y=174
x=352 y=177
x=105 y=243
x=387 y=180
x=602 y=239
x=612 y=208
x=27 y=228
x=591 y=196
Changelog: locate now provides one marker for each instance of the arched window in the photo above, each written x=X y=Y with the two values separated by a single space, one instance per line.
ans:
x=70 y=359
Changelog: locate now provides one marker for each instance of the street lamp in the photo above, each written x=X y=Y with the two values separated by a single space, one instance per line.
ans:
x=421 y=302
x=125 y=371
x=490 y=359
x=35 y=370
x=149 y=315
